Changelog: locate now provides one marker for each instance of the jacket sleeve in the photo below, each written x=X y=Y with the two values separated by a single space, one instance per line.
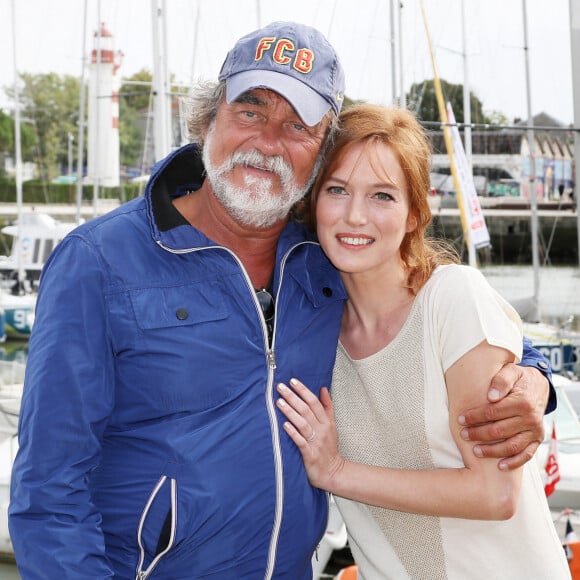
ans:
x=68 y=396
x=534 y=358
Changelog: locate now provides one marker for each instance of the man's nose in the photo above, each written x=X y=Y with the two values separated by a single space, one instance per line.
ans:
x=269 y=138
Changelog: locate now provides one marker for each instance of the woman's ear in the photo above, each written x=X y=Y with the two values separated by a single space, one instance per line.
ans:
x=411 y=223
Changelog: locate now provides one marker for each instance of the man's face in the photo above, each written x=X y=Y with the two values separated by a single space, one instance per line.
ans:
x=260 y=157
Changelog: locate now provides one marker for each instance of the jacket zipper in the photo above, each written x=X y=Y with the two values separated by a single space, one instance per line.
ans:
x=144 y=574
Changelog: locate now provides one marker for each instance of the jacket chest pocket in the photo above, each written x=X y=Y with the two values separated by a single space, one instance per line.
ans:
x=174 y=307
x=169 y=349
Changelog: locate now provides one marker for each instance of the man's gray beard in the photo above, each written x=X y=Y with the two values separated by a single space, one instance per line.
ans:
x=255 y=205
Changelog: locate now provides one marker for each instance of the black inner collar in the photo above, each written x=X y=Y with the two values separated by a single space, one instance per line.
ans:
x=184 y=174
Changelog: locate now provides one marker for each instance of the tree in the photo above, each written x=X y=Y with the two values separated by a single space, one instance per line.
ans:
x=422 y=99
x=49 y=104
x=136 y=90
x=6 y=132
x=134 y=100
x=7 y=144
x=498 y=118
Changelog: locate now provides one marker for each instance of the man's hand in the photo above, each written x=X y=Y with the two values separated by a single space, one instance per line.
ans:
x=513 y=420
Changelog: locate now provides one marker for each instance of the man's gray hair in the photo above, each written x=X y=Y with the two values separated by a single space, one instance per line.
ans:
x=205 y=99
x=203 y=104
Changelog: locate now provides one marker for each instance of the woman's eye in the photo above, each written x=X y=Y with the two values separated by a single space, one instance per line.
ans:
x=383 y=196
x=336 y=190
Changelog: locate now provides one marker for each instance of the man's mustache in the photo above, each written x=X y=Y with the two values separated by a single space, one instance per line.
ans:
x=274 y=163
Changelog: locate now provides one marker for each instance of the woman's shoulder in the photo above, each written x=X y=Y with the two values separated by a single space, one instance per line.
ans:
x=455 y=278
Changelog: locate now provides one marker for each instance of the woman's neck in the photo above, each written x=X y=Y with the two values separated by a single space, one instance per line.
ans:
x=375 y=312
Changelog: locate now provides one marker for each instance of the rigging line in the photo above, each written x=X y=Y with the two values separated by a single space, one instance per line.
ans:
x=495 y=127
x=195 y=42
x=147 y=137
x=552 y=233
x=332 y=15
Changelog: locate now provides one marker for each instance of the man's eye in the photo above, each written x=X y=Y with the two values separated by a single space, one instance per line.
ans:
x=298 y=127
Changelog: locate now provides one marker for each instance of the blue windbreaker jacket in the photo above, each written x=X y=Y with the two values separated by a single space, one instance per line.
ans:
x=150 y=443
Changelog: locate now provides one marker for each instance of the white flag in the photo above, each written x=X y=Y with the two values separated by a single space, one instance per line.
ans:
x=478 y=233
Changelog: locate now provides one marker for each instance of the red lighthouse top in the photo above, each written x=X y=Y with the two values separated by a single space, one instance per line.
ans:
x=105 y=32
x=103 y=44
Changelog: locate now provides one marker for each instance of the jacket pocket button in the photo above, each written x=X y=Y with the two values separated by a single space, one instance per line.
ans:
x=327 y=291
x=182 y=314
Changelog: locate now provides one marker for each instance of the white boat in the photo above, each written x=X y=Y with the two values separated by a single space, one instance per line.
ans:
x=565 y=418
x=11 y=382
x=572 y=391
x=34 y=237
x=18 y=313
x=560 y=346
x=2 y=325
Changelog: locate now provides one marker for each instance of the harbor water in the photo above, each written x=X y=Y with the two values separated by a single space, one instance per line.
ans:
x=558 y=290
x=8 y=571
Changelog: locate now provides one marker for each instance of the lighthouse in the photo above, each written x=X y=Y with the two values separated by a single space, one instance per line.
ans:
x=103 y=126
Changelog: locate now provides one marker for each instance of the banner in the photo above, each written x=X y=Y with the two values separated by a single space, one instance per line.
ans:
x=551 y=467
x=478 y=234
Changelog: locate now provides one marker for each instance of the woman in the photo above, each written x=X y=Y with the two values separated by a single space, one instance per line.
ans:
x=421 y=338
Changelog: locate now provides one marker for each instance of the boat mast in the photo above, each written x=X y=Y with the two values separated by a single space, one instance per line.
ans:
x=532 y=179
x=97 y=113
x=398 y=94
x=575 y=46
x=17 y=152
x=81 y=138
x=394 y=98
x=402 y=97
x=447 y=136
x=161 y=90
x=466 y=91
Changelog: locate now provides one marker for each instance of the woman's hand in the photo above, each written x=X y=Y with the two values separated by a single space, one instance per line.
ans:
x=311 y=426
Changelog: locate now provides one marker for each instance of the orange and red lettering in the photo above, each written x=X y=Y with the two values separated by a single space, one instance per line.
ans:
x=282 y=45
x=303 y=61
x=264 y=45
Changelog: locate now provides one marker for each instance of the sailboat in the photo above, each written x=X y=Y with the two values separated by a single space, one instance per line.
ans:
x=34 y=236
x=18 y=303
x=559 y=345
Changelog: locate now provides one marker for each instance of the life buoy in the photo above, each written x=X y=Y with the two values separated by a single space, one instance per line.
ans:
x=349 y=573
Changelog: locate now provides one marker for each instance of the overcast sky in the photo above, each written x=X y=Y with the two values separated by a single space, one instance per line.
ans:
x=49 y=38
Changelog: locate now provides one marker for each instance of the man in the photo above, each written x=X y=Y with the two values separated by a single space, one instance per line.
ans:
x=150 y=444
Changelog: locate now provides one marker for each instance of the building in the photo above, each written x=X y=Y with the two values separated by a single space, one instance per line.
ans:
x=502 y=164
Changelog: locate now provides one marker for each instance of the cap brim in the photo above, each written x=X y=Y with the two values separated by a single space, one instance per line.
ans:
x=309 y=105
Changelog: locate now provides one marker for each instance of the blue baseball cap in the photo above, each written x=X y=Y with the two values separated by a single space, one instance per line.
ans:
x=294 y=60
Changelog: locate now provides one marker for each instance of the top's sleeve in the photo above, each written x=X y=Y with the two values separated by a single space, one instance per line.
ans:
x=468 y=311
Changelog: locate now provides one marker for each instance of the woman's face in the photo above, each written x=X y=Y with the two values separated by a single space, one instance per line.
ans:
x=362 y=209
